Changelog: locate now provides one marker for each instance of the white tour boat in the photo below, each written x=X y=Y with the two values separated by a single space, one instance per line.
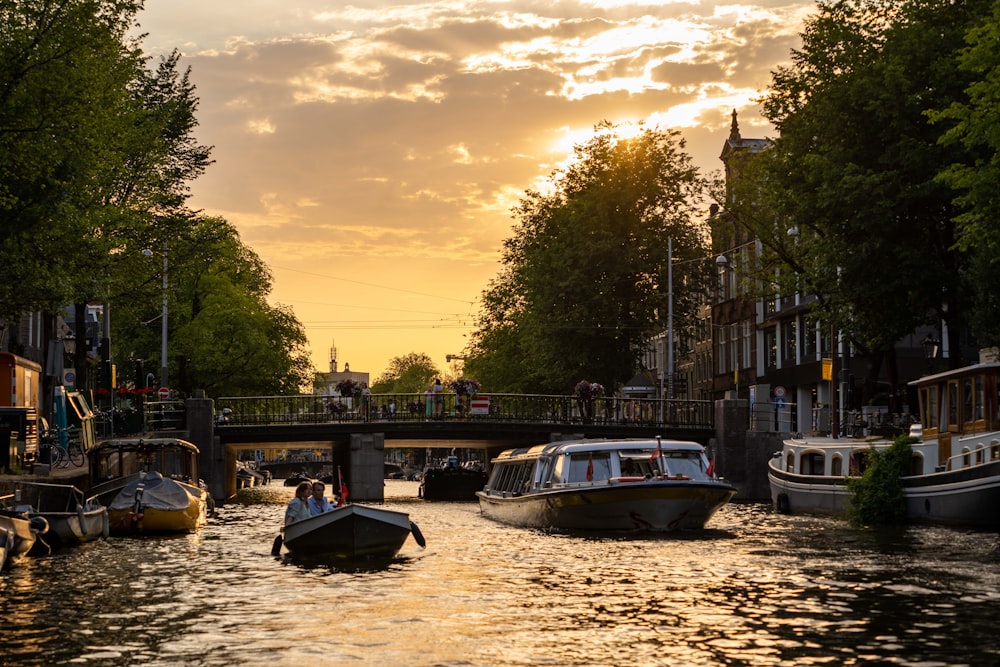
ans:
x=605 y=485
x=955 y=470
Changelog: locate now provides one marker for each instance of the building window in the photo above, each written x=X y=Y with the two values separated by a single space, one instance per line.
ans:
x=789 y=337
x=809 y=336
x=734 y=347
x=771 y=348
x=747 y=344
x=722 y=366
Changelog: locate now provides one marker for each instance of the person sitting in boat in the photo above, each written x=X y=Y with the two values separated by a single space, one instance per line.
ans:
x=317 y=502
x=298 y=507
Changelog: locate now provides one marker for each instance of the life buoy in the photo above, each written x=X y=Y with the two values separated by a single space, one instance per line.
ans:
x=781 y=502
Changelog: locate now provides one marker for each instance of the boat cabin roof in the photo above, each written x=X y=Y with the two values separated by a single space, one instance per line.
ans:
x=595 y=445
x=145 y=444
x=974 y=369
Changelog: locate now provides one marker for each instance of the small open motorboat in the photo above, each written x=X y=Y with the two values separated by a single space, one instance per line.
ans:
x=18 y=533
x=351 y=532
x=72 y=517
x=6 y=544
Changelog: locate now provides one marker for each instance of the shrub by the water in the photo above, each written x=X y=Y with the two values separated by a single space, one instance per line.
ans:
x=877 y=495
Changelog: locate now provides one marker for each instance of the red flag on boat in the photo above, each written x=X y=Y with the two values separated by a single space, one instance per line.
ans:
x=590 y=469
x=343 y=488
x=658 y=455
x=711 y=467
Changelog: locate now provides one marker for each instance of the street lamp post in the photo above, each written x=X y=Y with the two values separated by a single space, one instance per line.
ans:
x=163 y=319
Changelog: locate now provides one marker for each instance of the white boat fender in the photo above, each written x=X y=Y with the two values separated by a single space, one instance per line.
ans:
x=781 y=502
x=417 y=535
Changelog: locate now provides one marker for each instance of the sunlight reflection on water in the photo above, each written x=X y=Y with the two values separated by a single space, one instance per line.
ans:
x=755 y=588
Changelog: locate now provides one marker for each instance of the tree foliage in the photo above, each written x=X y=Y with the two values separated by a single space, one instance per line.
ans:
x=97 y=153
x=410 y=373
x=224 y=336
x=972 y=125
x=65 y=109
x=855 y=170
x=877 y=495
x=584 y=279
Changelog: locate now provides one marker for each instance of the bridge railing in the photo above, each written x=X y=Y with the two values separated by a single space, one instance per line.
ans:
x=525 y=408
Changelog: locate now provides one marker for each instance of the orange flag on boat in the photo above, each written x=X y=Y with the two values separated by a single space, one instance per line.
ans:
x=590 y=469
x=343 y=488
x=711 y=467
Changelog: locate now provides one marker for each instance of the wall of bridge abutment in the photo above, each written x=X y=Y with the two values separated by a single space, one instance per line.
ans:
x=359 y=449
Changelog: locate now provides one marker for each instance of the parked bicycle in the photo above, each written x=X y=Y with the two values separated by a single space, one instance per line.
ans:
x=63 y=456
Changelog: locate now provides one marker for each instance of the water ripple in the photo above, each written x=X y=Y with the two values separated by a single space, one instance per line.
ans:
x=756 y=588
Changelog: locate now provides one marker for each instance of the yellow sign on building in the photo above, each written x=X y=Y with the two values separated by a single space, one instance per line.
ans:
x=828 y=369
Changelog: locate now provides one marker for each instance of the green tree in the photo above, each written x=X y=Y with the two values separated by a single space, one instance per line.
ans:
x=223 y=336
x=584 y=279
x=854 y=171
x=410 y=373
x=65 y=68
x=972 y=125
x=96 y=151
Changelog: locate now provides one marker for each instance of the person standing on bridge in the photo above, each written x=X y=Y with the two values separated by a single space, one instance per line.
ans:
x=438 y=399
x=317 y=503
x=298 y=507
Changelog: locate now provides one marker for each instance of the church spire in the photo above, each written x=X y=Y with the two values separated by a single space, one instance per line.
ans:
x=734 y=130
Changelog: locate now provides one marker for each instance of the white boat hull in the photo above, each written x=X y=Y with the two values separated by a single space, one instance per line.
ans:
x=72 y=516
x=655 y=506
x=969 y=496
x=71 y=528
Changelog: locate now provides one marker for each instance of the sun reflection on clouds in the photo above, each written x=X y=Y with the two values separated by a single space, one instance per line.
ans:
x=261 y=126
x=395 y=138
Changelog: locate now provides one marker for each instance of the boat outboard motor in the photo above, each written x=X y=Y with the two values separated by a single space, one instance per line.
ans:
x=137 y=513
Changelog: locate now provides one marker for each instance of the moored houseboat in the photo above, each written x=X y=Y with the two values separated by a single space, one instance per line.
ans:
x=605 y=485
x=954 y=475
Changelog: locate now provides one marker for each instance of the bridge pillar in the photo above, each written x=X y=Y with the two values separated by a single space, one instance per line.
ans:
x=211 y=459
x=367 y=467
x=739 y=456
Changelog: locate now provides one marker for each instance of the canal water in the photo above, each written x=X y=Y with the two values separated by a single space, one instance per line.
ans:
x=755 y=588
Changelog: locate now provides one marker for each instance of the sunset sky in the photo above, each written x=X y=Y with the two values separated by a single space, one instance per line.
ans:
x=371 y=152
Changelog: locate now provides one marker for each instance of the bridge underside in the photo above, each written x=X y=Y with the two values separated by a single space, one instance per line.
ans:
x=504 y=434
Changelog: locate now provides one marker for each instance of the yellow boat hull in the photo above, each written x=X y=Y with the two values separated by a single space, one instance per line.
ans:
x=180 y=508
